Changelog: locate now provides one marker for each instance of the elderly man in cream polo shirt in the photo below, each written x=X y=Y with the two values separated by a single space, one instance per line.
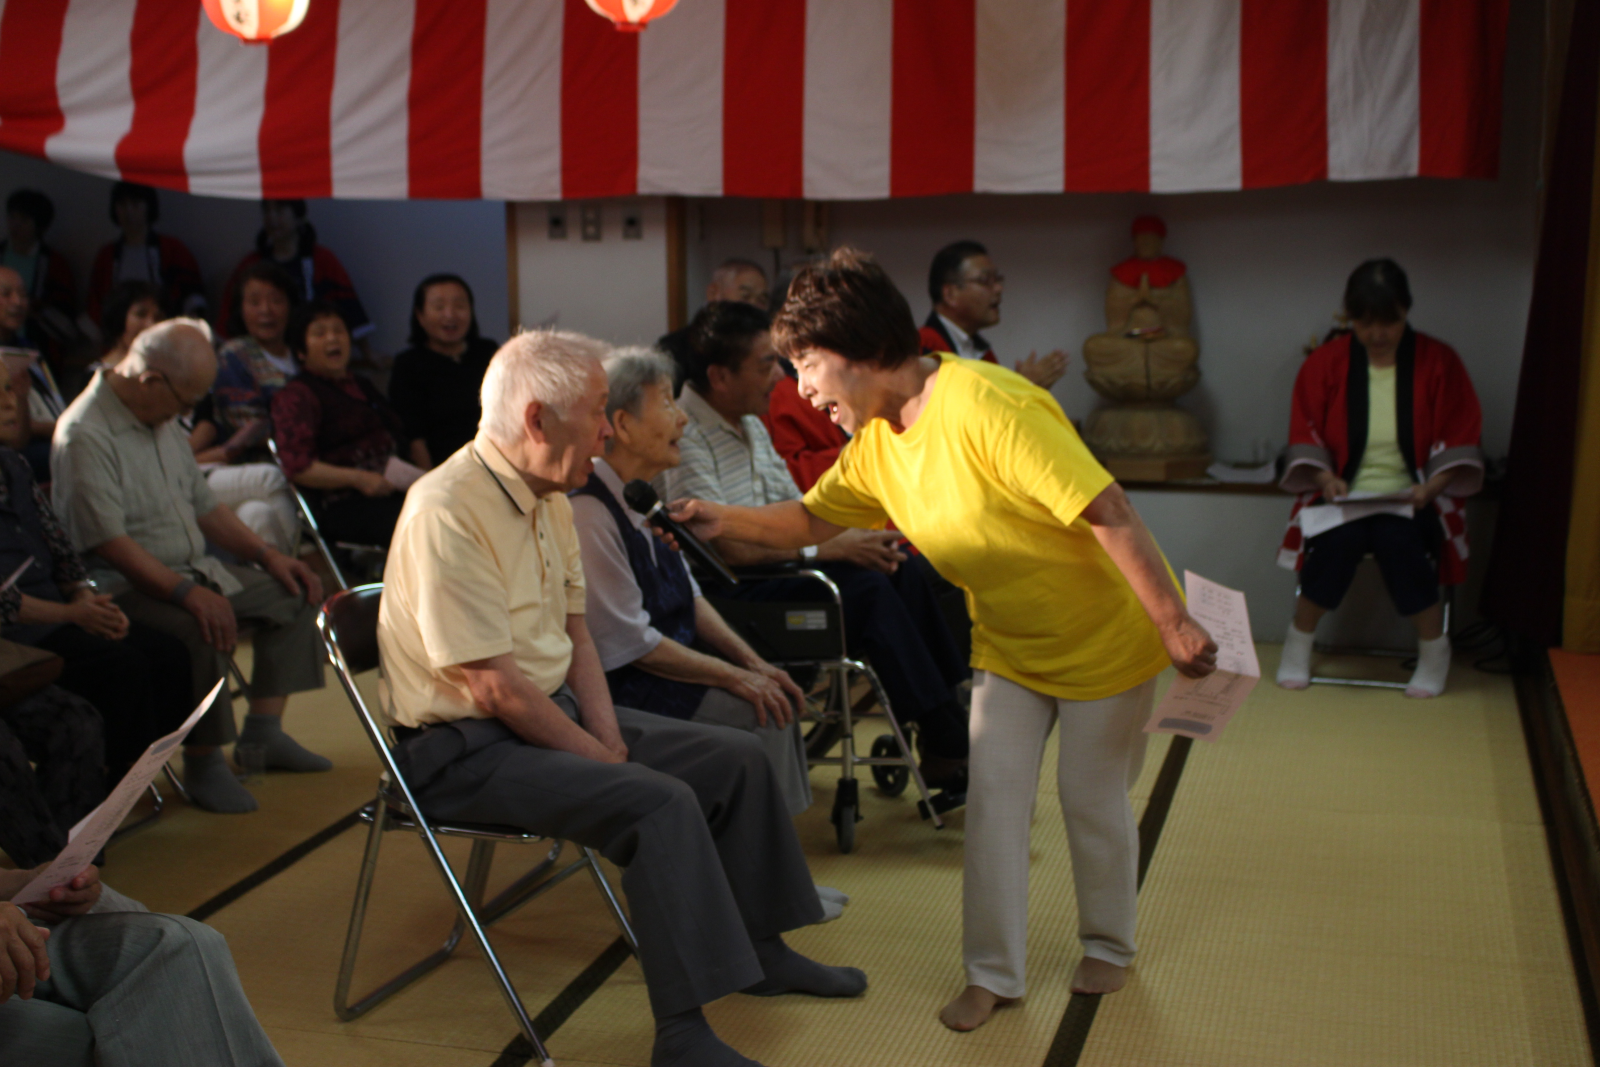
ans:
x=503 y=715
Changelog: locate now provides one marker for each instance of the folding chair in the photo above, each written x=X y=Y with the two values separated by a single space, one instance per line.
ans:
x=348 y=623
x=1446 y=597
x=812 y=635
x=308 y=518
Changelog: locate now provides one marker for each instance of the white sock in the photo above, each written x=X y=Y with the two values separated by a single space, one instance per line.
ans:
x=1433 y=667
x=1294 y=667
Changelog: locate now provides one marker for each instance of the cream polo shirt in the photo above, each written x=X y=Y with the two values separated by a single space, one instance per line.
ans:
x=479 y=567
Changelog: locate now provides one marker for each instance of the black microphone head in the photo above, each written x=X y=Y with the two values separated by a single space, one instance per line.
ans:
x=641 y=497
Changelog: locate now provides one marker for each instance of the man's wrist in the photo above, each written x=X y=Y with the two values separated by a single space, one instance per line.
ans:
x=262 y=553
x=180 y=592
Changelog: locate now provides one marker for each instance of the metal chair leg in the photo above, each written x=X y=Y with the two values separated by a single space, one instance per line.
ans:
x=176 y=783
x=603 y=884
x=905 y=746
x=342 y=1006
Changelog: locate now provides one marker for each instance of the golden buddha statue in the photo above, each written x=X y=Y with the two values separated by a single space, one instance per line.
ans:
x=1146 y=359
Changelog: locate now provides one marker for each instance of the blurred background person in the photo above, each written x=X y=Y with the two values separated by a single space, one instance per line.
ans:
x=435 y=382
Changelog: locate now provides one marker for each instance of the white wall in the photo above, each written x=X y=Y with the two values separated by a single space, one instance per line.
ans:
x=386 y=245
x=613 y=288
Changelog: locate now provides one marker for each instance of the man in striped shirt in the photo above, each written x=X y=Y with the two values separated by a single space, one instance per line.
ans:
x=891 y=614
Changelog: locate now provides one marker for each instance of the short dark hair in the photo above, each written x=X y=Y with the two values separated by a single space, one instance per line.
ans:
x=301 y=318
x=720 y=336
x=114 y=313
x=419 y=337
x=295 y=205
x=134 y=191
x=35 y=205
x=262 y=270
x=946 y=268
x=1377 y=290
x=847 y=304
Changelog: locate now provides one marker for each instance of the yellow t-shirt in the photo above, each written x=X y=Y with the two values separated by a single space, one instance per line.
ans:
x=990 y=483
x=1383 y=468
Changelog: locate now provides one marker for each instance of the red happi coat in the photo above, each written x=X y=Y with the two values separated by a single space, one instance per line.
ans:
x=1438 y=419
x=935 y=338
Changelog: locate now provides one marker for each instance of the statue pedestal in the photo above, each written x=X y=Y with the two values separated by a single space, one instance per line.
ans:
x=1151 y=441
x=1156 y=468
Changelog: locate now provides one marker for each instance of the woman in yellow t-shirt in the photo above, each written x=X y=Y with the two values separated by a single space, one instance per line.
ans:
x=1074 y=610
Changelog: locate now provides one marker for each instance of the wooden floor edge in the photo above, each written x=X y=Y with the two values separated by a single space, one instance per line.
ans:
x=1571 y=828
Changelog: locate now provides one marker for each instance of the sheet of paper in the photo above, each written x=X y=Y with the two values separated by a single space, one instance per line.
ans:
x=86 y=839
x=1320 y=518
x=18 y=573
x=401 y=474
x=1202 y=707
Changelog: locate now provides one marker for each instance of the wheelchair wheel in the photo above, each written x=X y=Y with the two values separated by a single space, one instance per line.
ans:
x=846 y=808
x=891 y=781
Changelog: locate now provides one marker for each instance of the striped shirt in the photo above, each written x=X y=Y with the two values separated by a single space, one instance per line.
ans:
x=725 y=463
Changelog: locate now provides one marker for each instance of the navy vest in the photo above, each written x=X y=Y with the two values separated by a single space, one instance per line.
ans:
x=21 y=536
x=668 y=600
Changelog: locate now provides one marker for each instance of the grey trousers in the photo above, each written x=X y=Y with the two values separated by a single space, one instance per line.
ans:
x=785 y=746
x=286 y=650
x=694 y=818
x=134 y=989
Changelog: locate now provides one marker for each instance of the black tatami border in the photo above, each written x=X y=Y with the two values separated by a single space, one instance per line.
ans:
x=276 y=867
x=1073 y=1033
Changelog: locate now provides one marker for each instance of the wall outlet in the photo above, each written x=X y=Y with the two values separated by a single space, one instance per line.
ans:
x=558 y=222
x=589 y=221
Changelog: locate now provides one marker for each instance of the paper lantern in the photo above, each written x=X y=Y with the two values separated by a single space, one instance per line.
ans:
x=629 y=16
x=256 y=21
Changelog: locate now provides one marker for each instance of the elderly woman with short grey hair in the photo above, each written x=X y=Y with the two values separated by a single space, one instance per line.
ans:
x=645 y=610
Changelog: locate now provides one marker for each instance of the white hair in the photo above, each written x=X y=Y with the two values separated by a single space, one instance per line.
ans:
x=630 y=371
x=159 y=347
x=548 y=366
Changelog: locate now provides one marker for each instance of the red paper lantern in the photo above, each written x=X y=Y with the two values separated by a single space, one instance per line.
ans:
x=256 y=21
x=629 y=16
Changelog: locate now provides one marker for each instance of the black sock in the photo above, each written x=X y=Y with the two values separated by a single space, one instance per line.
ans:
x=787 y=971
x=687 y=1040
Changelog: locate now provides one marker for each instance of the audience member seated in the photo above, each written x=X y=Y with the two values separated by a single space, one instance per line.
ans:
x=47 y=278
x=36 y=388
x=288 y=240
x=891 y=615
x=233 y=422
x=1349 y=435
x=131 y=494
x=139 y=254
x=136 y=676
x=128 y=310
x=435 y=382
x=336 y=434
x=52 y=773
x=965 y=288
x=101 y=980
x=645 y=611
x=501 y=712
x=741 y=281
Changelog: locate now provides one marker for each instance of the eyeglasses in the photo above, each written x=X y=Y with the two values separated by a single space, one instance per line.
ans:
x=987 y=279
x=184 y=406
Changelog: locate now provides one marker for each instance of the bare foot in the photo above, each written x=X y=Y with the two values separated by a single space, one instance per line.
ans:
x=1097 y=976
x=972 y=1008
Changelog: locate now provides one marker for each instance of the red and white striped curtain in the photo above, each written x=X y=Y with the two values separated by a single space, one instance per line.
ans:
x=826 y=99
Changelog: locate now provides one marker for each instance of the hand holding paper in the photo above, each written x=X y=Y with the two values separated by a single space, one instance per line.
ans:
x=401 y=474
x=1202 y=707
x=86 y=839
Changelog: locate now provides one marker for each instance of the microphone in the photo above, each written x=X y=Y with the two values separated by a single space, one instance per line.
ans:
x=643 y=499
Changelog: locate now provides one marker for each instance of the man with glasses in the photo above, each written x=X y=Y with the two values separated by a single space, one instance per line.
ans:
x=965 y=288
x=137 y=505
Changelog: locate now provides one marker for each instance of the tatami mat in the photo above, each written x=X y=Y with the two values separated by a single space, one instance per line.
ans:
x=1348 y=877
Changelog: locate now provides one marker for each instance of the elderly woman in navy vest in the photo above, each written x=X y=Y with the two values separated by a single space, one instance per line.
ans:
x=643 y=607
x=134 y=675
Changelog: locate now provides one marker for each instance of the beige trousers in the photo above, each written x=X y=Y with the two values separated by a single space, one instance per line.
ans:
x=1102 y=752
